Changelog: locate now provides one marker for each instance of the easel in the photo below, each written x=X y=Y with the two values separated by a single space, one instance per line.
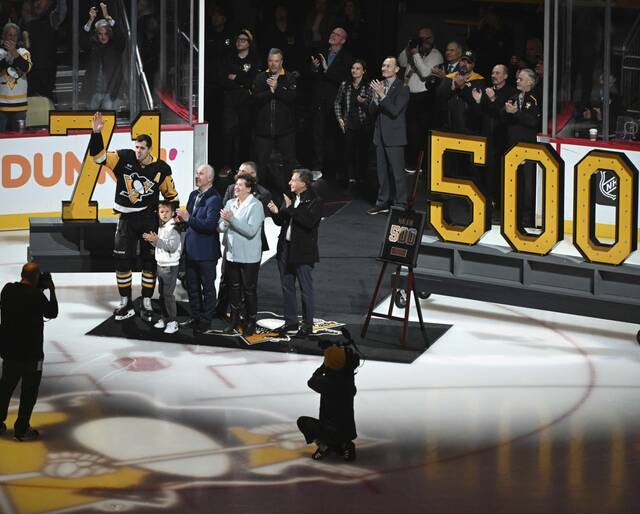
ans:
x=410 y=286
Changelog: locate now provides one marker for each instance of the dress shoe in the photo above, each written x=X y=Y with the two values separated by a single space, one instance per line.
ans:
x=349 y=451
x=29 y=435
x=288 y=328
x=377 y=210
x=305 y=331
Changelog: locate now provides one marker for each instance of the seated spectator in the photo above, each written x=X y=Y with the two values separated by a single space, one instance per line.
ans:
x=15 y=63
x=103 y=79
x=41 y=26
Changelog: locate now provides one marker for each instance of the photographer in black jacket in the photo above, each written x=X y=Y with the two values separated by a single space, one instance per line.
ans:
x=334 y=380
x=23 y=306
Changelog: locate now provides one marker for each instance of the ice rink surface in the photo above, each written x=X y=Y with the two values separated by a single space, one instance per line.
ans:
x=512 y=410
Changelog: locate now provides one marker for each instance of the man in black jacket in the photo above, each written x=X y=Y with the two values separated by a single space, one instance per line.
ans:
x=297 y=252
x=522 y=113
x=23 y=306
x=491 y=102
x=330 y=68
x=463 y=117
x=274 y=96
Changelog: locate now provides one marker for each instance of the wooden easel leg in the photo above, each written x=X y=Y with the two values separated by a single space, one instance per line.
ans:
x=372 y=305
x=394 y=291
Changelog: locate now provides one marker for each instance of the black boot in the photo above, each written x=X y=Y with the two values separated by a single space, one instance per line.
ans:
x=234 y=322
x=250 y=326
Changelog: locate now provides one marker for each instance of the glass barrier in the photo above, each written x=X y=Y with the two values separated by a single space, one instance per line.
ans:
x=91 y=56
x=595 y=40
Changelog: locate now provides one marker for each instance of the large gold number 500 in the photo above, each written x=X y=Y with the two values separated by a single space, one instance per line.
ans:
x=477 y=147
x=81 y=207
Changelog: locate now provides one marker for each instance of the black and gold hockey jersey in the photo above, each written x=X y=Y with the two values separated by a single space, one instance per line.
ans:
x=138 y=186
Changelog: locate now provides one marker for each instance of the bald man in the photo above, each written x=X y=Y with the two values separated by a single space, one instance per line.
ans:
x=202 y=247
x=23 y=306
x=330 y=68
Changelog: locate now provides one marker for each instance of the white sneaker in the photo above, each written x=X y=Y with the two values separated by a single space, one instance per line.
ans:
x=172 y=327
x=159 y=324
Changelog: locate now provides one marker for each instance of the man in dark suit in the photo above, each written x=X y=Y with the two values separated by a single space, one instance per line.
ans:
x=331 y=68
x=389 y=106
x=202 y=247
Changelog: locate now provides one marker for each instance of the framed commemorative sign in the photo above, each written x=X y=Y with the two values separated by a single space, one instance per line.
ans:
x=402 y=237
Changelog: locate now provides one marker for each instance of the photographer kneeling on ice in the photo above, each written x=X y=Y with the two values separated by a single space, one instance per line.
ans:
x=334 y=380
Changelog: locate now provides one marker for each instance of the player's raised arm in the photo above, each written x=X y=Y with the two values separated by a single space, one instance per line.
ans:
x=96 y=145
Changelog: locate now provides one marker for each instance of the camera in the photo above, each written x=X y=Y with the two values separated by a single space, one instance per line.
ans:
x=353 y=353
x=44 y=281
x=414 y=42
x=324 y=344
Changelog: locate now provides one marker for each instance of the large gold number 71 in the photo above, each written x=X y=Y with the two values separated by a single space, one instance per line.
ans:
x=81 y=207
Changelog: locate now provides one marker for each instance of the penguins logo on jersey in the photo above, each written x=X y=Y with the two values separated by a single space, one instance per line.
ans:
x=137 y=187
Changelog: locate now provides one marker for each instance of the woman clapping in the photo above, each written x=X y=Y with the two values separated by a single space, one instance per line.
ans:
x=241 y=222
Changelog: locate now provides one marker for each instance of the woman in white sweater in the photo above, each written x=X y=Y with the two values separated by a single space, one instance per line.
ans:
x=241 y=222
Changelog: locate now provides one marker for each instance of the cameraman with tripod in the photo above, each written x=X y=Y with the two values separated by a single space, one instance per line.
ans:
x=335 y=381
x=417 y=61
x=23 y=306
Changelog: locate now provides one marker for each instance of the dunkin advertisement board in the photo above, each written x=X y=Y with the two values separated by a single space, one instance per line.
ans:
x=39 y=173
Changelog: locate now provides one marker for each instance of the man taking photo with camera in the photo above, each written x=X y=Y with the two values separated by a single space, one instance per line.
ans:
x=418 y=60
x=23 y=307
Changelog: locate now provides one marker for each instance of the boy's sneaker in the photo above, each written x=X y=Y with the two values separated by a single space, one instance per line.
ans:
x=29 y=435
x=3 y=428
x=159 y=324
x=125 y=310
x=146 y=312
x=172 y=327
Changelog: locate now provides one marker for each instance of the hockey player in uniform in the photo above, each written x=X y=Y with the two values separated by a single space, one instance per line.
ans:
x=139 y=181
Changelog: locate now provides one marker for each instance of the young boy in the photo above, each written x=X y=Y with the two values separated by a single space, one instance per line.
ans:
x=168 y=248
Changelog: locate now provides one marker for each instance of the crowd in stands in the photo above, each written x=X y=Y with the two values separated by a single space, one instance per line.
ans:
x=294 y=88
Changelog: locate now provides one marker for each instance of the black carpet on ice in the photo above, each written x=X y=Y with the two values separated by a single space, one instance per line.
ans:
x=343 y=281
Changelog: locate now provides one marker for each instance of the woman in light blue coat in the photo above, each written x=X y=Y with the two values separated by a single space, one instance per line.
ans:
x=241 y=222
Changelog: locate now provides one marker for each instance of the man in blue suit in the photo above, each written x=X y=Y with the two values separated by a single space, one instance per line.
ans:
x=389 y=107
x=202 y=247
